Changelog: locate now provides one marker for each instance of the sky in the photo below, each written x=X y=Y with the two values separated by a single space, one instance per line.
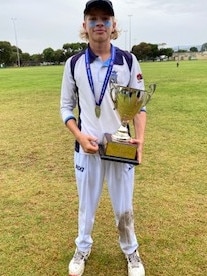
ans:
x=34 y=25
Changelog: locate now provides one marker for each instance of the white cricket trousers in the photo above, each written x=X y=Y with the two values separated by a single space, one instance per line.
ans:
x=90 y=173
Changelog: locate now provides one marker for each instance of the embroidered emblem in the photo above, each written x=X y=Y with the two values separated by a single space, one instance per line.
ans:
x=139 y=77
x=114 y=76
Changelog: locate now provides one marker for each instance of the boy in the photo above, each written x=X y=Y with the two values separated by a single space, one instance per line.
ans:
x=86 y=82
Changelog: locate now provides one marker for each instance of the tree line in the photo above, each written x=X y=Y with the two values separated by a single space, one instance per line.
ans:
x=10 y=55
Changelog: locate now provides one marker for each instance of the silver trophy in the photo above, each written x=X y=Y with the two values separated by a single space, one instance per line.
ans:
x=128 y=102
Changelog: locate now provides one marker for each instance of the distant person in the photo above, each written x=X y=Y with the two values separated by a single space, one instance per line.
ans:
x=87 y=84
x=177 y=64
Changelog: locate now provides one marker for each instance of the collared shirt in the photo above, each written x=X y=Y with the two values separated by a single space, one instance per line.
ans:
x=76 y=91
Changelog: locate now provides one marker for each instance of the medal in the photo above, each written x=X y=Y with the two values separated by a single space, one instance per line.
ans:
x=98 y=111
x=106 y=80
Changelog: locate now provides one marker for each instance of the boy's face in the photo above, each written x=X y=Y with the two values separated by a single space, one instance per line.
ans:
x=99 y=25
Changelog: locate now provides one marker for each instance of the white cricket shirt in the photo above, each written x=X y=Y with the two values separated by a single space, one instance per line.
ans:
x=76 y=91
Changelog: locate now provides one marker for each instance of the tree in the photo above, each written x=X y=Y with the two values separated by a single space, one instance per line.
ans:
x=154 y=51
x=36 y=59
x=141 y=51
x=8 y=54
x=5 y=53
x=25 y=59
x=194 y=49
x=145 y=51
x=49 y=55
x=71 y=49
x=16 y=56
x=59 y=56
x=168 y=52
x=204 y=47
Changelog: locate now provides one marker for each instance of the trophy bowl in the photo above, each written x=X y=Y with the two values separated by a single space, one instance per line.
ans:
x=128 y=102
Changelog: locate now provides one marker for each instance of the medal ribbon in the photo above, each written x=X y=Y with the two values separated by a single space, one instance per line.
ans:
x=108 y=73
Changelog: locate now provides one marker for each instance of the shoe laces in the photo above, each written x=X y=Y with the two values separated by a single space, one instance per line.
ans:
x=134 y=259
x=79 y=256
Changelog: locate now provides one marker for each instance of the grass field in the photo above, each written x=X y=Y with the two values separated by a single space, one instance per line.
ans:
x=38 y=206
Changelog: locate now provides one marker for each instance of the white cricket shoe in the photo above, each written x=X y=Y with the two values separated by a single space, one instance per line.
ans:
x=77 y=264
x=135 y=266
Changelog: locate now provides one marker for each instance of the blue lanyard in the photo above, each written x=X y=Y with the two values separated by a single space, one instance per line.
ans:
x=108 y=73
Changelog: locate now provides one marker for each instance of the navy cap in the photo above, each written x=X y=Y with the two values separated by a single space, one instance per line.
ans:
x=101 y=4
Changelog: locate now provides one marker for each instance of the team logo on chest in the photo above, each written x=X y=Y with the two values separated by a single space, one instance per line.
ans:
x=113 y=77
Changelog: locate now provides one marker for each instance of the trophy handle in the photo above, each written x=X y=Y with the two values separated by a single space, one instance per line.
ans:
x=148 y=94
x=113 y=95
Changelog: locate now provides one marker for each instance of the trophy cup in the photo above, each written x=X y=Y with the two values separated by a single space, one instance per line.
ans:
x=127 y=101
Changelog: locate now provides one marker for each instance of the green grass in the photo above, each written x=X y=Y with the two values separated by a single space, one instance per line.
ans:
x=38 y=206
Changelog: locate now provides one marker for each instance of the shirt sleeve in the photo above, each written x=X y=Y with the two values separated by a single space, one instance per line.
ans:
x=136 y=79
x=68 y=94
